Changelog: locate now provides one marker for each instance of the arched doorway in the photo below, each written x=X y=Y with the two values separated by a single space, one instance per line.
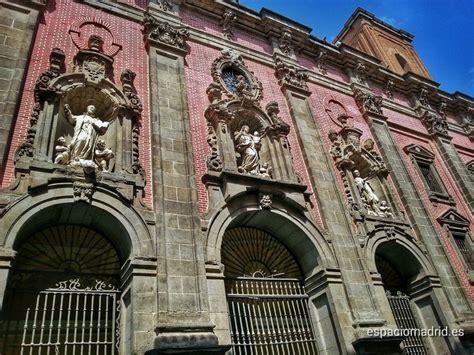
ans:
x=396 y=281
x=267 y=302
x=62 y=294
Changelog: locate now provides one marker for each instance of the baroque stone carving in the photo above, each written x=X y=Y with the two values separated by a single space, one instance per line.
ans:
x=228 y=22
x=321 y=60
x=423 y=98
x=42 y=92
x=290 y=75
x=368 y=102
x=165 y=5
x=87 y=128
x=285 y=43
x=370 y=199
x=265 y=201
x=163 y=32
x=389 y=88
x=92 y=61
x=436 y=124
x=360 y=72
x=234 y=79
x=248 y=145
x=83 y=191
x=214 y=161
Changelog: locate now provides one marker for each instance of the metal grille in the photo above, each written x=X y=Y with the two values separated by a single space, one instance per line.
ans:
x=465 y=249
x=73 y=320
x=430 y=178
x=268 y=307
x=404 y=318
x=269 y=316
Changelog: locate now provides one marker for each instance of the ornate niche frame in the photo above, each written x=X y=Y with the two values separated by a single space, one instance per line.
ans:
x=364 y=176
x=423 y=160
x=61 y=116
x=249 y=145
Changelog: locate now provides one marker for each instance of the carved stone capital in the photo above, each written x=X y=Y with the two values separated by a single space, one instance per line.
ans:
x=368 y=102
x=161 y=32
x=290 y=75
x=435 y=123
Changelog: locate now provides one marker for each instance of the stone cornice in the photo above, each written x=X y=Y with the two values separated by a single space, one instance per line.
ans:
x=338 y=55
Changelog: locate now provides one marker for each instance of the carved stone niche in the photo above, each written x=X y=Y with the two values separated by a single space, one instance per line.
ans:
x=364 y=175
x=83 y=126
x=245 y=140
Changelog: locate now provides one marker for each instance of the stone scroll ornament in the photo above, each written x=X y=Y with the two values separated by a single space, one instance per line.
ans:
x=162 y=31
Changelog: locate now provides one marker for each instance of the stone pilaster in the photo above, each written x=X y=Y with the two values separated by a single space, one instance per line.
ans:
x=17 y=29
x=359 y=309
x=183 y=323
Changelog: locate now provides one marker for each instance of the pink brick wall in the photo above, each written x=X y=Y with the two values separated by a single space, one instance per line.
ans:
x=53 y=32
x=436 y=210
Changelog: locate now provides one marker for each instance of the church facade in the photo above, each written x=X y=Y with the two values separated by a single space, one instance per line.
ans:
x=195 y=177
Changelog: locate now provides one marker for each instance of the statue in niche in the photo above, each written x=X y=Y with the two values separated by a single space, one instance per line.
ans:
x=86 y=130
x=367 y=193
x=385 y=209
x=102 y=155
x=248 y=146
x=62 y=151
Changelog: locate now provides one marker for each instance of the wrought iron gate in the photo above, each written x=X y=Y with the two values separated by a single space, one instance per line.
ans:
x=71 y=319
x=404 y=318
x=269 y=316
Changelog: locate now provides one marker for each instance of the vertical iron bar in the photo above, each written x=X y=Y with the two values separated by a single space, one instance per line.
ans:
x=34 y=323
x=25 y=328
x=51 y=322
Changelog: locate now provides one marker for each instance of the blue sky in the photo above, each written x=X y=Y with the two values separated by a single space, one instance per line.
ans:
x=443 y=30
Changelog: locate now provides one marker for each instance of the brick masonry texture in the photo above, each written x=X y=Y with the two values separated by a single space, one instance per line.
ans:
x=53 y=32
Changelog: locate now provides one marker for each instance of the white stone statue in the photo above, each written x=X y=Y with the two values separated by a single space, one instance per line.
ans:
x=86 y=130
x=248 y=146
x=367 y=192
x=62 y=151
x=102 y=155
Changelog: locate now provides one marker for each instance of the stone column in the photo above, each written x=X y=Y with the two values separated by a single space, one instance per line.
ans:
x=357 y=307
x=453 y=301
x=18 y=25
x=183 y=323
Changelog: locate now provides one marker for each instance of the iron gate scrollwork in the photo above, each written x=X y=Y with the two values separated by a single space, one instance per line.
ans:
x=72 y=319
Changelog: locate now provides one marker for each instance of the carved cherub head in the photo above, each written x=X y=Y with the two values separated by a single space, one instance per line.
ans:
x=100 y=144
x=91 y=110
x=61 y=141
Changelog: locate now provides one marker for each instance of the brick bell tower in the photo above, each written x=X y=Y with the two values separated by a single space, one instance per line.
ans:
x=391 y=45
